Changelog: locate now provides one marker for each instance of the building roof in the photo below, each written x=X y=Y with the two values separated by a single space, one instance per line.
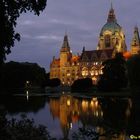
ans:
x=56 y=62
x=96 y=55
x=111 y=24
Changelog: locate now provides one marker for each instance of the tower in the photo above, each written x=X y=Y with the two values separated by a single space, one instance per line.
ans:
x=111 y=35
x=65 y=53
x=135 y=43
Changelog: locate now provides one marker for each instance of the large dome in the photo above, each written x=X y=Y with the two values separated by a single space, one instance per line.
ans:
x=111 y=26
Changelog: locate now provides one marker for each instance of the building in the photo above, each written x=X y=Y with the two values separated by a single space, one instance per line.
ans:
x=68 y=67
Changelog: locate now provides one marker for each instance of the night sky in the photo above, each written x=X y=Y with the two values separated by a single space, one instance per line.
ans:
x=42 y=37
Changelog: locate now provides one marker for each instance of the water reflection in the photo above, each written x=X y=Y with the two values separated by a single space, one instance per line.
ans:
x=102 y=114
x=112 y=118
x=27 y=95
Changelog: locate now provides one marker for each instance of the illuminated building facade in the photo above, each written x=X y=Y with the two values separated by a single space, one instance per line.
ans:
x=68 y=67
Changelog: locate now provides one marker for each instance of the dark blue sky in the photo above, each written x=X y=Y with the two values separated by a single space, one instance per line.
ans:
x=41 y=37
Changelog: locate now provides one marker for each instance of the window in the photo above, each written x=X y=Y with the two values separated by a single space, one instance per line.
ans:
x=85 y=71
x=107 y=41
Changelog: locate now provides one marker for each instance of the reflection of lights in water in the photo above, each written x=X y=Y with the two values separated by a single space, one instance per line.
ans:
x=102 y=113
x=96 y=103
x=97 y=114
x=63 y=92
x=85 y=105
x=70 y=125
x=92 y=103
x=27 y=95
x=130 y=103
x=97 y=129
x=94 y=99
x=68 y=102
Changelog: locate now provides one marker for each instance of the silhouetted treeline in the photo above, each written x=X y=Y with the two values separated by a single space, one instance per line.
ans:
x=53 y=82
x=17 y=75
x=82 y=84
x=133 y=66
x=119 y=73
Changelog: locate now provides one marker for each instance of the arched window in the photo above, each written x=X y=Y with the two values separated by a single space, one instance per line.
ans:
x=84 y=71
x=94 y=71
x=107 y=41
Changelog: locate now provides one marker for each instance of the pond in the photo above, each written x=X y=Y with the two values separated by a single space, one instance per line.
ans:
x=111 y=117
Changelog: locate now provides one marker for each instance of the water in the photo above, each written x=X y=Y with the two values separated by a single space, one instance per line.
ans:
x=64 y=114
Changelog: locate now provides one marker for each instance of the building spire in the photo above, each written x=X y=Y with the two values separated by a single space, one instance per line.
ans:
x=111 y=5
x=65 y=45
x=136 y=38
x=111 y=14
x=135 y=43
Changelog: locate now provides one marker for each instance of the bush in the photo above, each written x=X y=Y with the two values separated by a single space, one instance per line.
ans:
x=133 y=65
x=23 y=129
x=82 y=84
x=53 y=82
x=15 y=75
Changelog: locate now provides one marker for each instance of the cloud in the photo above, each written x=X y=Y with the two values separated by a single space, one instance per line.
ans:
x=27 y=22
x=42 y=37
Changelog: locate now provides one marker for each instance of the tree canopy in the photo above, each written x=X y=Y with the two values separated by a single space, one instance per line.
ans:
x=15 y=75
x=10 y=10
x=82 y=84
x=114 y=74
x=133 y=65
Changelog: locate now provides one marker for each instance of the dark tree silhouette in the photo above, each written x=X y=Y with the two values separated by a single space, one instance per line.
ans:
x=82 y=84
x=23 y=129
x=114 y=74
x=53 y=82
x=10 y=10
x=20 y=73
x=133 y=65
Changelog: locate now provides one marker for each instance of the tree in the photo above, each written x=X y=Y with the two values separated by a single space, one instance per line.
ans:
x=133 y=65
x=53 y=82
x=10 y=10
x=15 y=75
x=114 y=74
x=23 y=129
x=82 y=84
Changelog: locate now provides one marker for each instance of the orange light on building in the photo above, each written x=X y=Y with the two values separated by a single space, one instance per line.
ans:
x=127 y=55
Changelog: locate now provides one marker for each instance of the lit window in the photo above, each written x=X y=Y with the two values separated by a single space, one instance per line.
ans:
x=68 y=74
x=96 y=72
x=84 y=71
x=92 y=73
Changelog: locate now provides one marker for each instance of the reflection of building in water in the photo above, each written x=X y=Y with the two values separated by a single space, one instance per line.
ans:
x=71 y=110
x=90 y=112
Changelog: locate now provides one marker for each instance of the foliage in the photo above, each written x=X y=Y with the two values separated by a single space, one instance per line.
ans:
x=133 y=65
x=114 y=74
x=15 y=75
x=82 y=84
x=53 y=82
x=10 y=10
x=23 y=129
x=91 y=134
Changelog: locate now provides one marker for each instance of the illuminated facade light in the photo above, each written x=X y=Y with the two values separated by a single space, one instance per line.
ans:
x=68 y=102
x=68 y=74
